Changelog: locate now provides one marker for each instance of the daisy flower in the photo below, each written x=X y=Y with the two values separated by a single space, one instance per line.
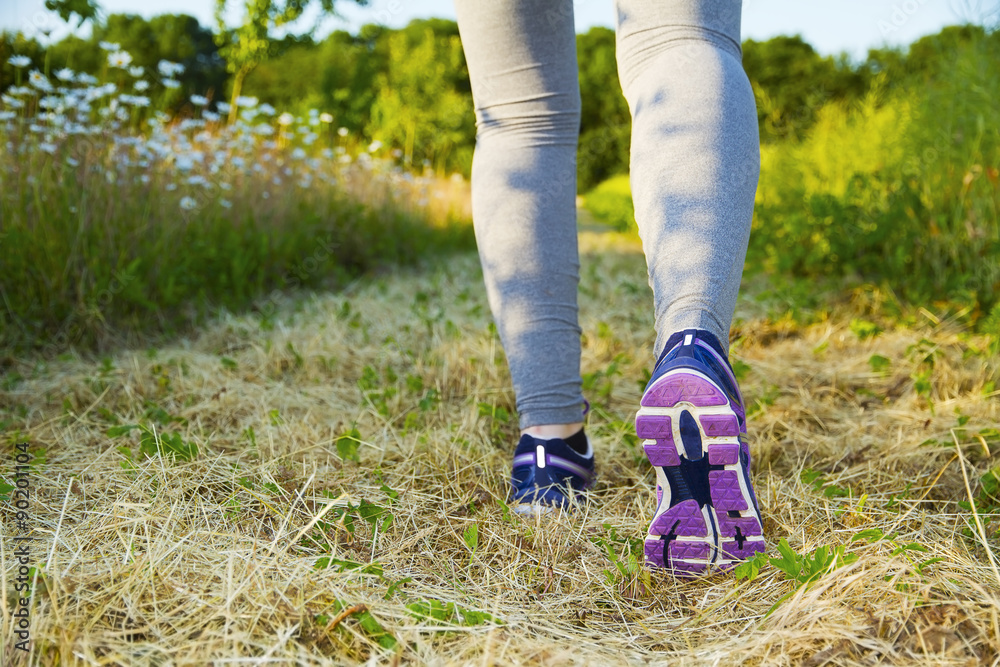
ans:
x=119 y=59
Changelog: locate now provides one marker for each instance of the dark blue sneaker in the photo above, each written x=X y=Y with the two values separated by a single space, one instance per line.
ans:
x=693 y=423
x=549 y=474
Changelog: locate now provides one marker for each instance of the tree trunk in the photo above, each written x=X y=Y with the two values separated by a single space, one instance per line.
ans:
x=241 y=74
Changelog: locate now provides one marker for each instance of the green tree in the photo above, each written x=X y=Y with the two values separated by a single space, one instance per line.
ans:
x=792 y=82
x=250 y=44
x=83 y=10
x=338 y=75
x=424 y=100
x=176 y=38
x=605 y=122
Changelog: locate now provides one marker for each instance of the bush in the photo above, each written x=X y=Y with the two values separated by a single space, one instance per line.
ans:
x=902 y=190
x=611 y=202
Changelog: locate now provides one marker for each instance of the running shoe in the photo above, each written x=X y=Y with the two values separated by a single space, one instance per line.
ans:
x=549 y=474
x=692 y=421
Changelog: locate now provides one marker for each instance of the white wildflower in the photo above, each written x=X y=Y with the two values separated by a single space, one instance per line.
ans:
x=188 y=203
x=86 y=79
x=285 y=119
x=170 y=187
x=199 y=100
x=169 y=69
x=73 y=162
x=141 y=86
x=19 y=61
x=342 y=131
x=47 y=147
x=12 y=102
x=172 y=84
x=209 y=116
x=183 y=163
x=135 y=100
x=20 y=90
x=225 y=203
x=267 y=109
x=374 y=146
x=7 y=115
x=326 y=117
x=298 y=154
x=144 y=178
x=120 y=59
x=38 y=80
x=223 y=107
x=246 y=102
x=66 y=74
x=110 y=46
x=327 y=153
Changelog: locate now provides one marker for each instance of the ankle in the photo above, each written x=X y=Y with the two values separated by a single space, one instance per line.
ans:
x=548 y=431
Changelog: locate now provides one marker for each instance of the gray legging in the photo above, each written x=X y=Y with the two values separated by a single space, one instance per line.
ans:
x=695 y=159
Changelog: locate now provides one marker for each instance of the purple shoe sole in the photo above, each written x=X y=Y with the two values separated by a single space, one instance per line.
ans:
x=686 y=538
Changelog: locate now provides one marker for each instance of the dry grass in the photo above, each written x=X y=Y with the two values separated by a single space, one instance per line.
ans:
x=165 y=561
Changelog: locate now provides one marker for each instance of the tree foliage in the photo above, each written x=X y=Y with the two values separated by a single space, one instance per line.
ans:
x=82 y=10
x=409 y=87
x=245 y=47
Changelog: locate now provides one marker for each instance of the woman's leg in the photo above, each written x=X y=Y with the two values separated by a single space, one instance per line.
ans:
x=695 y=155
x=522 y=62
x=694 y=165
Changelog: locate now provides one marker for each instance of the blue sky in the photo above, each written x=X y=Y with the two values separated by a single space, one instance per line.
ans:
x=830 y=26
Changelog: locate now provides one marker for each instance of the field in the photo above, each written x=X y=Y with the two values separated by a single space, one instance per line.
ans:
x=330 y=490
x=253 y=408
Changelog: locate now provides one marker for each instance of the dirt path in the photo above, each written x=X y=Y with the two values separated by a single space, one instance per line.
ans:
x=156 y=560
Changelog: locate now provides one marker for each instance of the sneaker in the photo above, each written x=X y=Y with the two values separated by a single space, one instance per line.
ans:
x=549 y=474
x=693 y=424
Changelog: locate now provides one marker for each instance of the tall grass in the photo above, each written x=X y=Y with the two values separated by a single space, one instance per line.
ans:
x=902 y=191
x=115 y=222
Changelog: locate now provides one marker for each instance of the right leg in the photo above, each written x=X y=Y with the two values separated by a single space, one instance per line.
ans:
x=694 y=166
